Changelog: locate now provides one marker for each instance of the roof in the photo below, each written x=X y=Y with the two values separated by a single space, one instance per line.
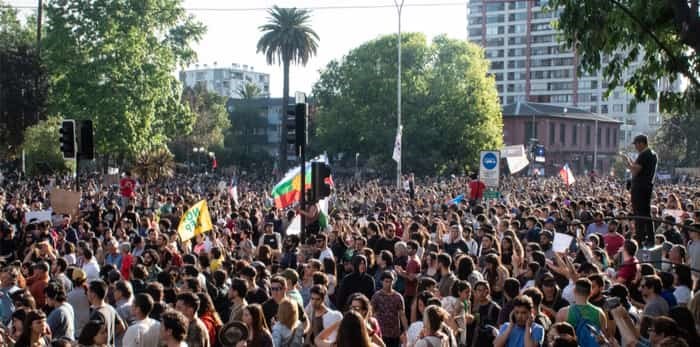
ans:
x=534 y=109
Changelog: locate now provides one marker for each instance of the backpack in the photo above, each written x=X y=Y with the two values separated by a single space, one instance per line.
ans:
x=586 y=332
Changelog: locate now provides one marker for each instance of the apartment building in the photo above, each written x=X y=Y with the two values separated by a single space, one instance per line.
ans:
x=530 y=65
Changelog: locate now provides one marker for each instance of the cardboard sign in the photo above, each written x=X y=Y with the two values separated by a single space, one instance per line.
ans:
x=65 y=202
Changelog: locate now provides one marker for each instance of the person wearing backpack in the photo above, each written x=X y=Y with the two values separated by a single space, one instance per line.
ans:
x=589 y=321
x=520 y=330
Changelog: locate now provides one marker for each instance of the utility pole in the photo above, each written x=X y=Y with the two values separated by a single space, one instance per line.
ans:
x=399 y=7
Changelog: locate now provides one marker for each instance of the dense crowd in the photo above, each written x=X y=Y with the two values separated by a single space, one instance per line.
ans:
x=385 y=267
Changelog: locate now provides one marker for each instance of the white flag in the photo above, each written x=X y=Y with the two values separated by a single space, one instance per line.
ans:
x=397 y=146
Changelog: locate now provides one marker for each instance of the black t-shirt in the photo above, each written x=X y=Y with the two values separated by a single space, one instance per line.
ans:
x=647 y=159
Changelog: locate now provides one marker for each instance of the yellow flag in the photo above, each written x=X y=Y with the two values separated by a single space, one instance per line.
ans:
x=195 y=221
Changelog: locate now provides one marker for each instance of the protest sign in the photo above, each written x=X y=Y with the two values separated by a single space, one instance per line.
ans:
x=65 y=202
x=561 y=242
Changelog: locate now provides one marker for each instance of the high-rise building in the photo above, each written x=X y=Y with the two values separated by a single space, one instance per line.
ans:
x=226 y=80
x=530 y=65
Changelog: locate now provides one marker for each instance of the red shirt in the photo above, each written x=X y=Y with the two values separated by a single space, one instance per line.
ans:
x=476 y=189
x=628 y=270
x=126 y=187
x=127 y=262
x=613 y=242
x=412 y=267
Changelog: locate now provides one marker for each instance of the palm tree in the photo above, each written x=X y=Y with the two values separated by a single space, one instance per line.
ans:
x=248 y=91
x=287 y=38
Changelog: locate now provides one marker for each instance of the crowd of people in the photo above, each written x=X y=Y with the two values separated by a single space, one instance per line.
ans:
x=387 y=267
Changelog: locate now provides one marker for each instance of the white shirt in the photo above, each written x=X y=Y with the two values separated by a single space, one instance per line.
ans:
x=326 y=253
x=143 y=333
x=413 y=333
x=682 y=294
x=92 y=269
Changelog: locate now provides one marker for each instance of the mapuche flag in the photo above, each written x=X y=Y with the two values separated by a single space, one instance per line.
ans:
x=288 y=191
x=195 y=221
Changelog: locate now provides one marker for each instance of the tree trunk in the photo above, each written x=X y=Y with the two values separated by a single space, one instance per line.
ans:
x=283 y=133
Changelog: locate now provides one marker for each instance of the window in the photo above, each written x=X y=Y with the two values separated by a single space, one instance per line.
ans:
x=604 y=108
x=497 y=65
x=598 y=136
x=493 y=30
x=562 y=133
x=574 y=134
x=530 y=131
x=475 y=32
x=588 y=135
x=617 y=108
x=594 y=109
x=552 y=128
x=653 y=107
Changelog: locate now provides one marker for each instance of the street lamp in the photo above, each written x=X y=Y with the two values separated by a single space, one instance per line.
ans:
x=357 y=155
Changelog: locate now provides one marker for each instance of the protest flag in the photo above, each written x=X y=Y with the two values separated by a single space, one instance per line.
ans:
x=195 y=221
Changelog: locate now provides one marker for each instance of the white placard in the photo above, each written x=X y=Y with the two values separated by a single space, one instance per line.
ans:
x=37 y=216
x=561 y=242
x=489 y=168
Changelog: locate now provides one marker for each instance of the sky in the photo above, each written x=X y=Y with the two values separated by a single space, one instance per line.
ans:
x=232 y=30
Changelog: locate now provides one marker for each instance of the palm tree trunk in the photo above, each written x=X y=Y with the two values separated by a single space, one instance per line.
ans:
x=283 y=132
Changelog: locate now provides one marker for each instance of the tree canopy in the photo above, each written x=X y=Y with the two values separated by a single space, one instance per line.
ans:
x=637 y=43
x=22 y=79
x=450 y=109
x=112 y=60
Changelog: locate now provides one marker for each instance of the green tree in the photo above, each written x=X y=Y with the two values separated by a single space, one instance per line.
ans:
x=112 y=61
x=645 y=41
x=287 y=38
x=450 y=114
x=248 y=91
x=678 y=139
x=42 y=148
x=22 y=80
x=211 y=122
x=248 y=133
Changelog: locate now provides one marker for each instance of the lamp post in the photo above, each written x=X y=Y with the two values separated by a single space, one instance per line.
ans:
x=399 y=7
x=357 y=155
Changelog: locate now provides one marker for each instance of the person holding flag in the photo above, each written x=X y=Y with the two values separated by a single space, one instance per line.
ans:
x=566 y=175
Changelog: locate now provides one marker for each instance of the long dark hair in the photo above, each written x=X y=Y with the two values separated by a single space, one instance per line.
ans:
x=26 y=336
x=259 y=324
x=90 y=330
x=352 y=331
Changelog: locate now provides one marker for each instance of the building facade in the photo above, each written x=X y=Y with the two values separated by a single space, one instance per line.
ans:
x=570 y=135
x=530 y=65
x=226 y=80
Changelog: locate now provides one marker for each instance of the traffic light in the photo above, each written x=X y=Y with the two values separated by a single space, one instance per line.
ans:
x=296 y=126
x=539 y=153
x=321 y=181
x=67 y=139
x=86 y=148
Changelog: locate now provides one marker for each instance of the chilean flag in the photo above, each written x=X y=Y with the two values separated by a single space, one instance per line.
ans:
x=566 y=175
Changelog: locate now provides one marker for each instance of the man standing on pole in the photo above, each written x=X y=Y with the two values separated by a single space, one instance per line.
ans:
x=643 y=171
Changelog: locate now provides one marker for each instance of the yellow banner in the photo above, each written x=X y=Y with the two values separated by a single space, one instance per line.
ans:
x=195 y=221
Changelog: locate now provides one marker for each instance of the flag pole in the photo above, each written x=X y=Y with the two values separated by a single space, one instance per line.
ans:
x=399 y=7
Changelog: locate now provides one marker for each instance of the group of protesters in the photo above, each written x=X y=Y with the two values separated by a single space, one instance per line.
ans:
x=383 y=266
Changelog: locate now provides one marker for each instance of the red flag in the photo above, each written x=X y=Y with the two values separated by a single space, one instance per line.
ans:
x=214 y=164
